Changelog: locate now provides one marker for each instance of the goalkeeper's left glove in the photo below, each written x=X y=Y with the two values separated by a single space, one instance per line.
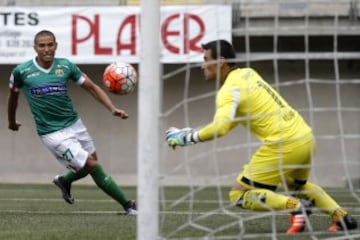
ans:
x=181 y=137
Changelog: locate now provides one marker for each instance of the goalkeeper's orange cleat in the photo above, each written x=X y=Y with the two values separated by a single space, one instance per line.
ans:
x=298 y=218
x=347 y=222
x=334 y=228
x=297 y=223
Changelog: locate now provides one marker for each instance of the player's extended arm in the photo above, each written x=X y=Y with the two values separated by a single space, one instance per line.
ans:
x=12 y=107
x=225 y=116
x=188 y=136
x=220 y=126
x=102 y=97
x=216 y=129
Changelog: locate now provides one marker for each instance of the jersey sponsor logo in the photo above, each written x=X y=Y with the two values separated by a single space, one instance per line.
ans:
x=48 y=89
x=34 y=74
x=62 y=66
x=25 y=70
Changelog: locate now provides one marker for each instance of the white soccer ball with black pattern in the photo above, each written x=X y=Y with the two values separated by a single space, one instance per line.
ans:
x=120 y=78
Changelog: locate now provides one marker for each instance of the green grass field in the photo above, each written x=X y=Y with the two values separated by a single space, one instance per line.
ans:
x=32 y=212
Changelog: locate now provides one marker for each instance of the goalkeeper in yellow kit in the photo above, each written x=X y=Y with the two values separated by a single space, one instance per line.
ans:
x=284 y=159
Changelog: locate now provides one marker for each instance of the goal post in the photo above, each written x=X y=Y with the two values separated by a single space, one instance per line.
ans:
x=148 y=121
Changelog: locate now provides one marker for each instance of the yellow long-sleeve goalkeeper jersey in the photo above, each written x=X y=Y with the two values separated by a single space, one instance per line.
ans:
x=247 y=99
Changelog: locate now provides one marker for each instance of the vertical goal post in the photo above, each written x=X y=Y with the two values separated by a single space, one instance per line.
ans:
x=148 y=121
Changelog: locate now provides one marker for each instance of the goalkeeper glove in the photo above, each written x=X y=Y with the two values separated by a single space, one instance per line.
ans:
x=181 y=137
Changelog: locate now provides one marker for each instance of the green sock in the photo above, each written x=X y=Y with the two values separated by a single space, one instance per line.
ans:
x=107 y=184
x=70 y=176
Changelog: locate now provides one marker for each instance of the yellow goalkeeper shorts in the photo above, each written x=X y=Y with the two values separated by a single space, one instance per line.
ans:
x=279 y=164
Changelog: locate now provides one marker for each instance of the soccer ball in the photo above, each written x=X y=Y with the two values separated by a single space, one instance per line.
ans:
x=120 y=78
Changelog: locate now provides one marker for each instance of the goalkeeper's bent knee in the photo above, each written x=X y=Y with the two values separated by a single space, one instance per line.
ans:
x=263 y=200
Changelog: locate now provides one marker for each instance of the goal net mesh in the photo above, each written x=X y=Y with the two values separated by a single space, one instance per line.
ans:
x=305 y=50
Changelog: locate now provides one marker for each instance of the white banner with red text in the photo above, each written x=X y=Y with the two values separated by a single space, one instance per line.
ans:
x=100 y=35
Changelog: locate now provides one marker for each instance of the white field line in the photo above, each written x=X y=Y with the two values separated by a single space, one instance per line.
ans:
x=110 y=200
x=114 y=212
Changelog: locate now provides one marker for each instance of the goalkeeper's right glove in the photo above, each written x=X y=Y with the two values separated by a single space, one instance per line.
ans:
x=181 y=137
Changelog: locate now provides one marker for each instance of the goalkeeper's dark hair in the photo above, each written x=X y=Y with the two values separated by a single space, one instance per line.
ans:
x=221 y=48
x=44 y=33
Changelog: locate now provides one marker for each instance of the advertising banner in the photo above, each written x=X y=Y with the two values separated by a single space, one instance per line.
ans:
x=96 y=35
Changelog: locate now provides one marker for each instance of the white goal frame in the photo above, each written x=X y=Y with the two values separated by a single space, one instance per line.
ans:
x=148 y=121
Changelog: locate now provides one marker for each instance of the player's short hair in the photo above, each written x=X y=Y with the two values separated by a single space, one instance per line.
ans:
x=44 y=33
x=221 y=48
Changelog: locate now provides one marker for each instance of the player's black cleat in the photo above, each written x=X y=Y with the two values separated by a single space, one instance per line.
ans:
x=65 y=188
x=347 y=222
x=131 y=208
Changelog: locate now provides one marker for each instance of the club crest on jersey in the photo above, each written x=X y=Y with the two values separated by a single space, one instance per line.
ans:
x=59 y=72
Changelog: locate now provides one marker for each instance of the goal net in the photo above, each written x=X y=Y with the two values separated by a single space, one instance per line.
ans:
x=307 y=51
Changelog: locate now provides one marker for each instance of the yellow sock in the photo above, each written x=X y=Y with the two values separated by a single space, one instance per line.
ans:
x=263 y=200
x=319 y=198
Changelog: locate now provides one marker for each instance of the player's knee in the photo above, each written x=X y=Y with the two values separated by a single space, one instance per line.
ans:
x=91 y=162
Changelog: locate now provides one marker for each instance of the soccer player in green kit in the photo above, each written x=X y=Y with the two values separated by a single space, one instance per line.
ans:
x=288 y=143
x=44 y=82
